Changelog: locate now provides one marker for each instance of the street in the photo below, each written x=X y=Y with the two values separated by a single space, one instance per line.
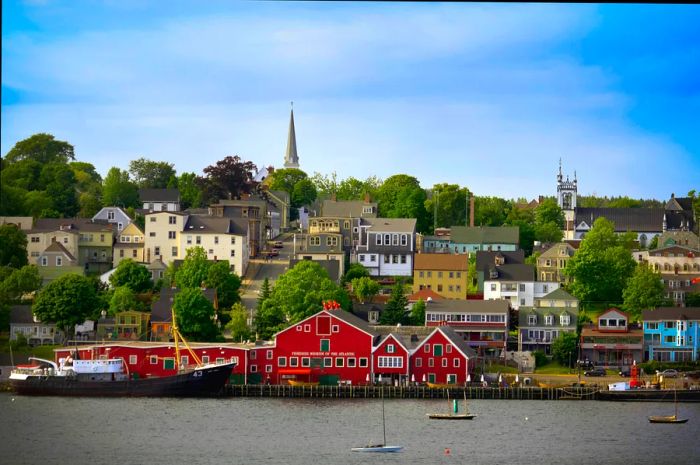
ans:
x=260 y=268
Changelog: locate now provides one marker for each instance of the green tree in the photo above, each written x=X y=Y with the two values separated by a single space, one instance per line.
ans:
x=123 y=299
x=365 y=288
x=522 y=218
x=326 y=185
x=42 y=148
x=195 y=315
x=151 y=174
x=644 y=291
x=548 y=232
x=447 y=205
x=601 y=266
x=565 y=348
x=227 y=284
x=265 y=292
x=60 y=185
x=490 y=211
x=692 y=299
x=548 y=211
x=418 y=313
x=11 y=198
x=36 y=202
x=89 y=204
x=190 y=194
x=194 y=269
x=297 y=294
x=304 y=193
x=132 y=275
x=67 y=301
x=654 y=243
x=285 y=179
x=238 y=324
x=401 y=196
x=119 y=190
x=21 y=281
x=14 y=246
x=395 y=309
x=354 y=271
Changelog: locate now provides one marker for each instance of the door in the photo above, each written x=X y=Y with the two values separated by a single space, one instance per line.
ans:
x=452 y=379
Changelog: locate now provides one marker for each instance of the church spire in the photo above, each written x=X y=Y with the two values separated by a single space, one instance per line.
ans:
x=291 y=159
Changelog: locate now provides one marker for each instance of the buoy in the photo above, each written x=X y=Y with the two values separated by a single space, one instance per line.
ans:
x=525 y=418
x=13 y=399
x=447 y=451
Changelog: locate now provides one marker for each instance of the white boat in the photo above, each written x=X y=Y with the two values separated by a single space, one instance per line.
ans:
x=380 y=448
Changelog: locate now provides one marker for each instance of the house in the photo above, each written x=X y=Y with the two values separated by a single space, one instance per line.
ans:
x=170 y=234
x=115 y=215
x=483 y=324
x=516 y=284
x=255 y=211
x=390 y=360
x=443 y=357
x=161 y=312
x=679 y=267
x=333 y=266
x=345 y=229
x=88 y=241
x=611 y=341
x=23 y=321
x=438 y=242
x=369 y=311
x=683 y=238
x=551 y=316
x=468 y=239
x=386 y=246
x=322 y=245
x=445 y=274
x=349 y=208
x=55 y=262
x=130 y=325
x=329 y=347
x=552 y=262
x=157 y=200
x=679 y=214
x=672 y=334
x=487 y=260
x=130 y=243
x=645 y=223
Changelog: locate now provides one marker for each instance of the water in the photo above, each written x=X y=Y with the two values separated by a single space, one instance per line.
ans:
x=52 y=430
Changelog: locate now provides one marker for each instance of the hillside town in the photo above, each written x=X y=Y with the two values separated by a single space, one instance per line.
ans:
x=310 y=280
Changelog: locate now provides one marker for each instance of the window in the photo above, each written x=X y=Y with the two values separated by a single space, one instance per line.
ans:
x=281 y=362
x=331 y=241
x=198 y=239
x=172 y=220
x=325 y=345
x=305 y=362
x=379 y=239
x=121 y=253
x=233 y=240
x=654 y=325
x=387 y=239
x=437 y=350
x=362 y=258
x=395 y=239
x=216 y=239
x=189 y=240
x=455 y=363
x=339 y=362
x=220 y=360
x=307 y=328
x=404 y=239
x=35 y=239
x=548 y=320
x=363 y=362
x=156 y=251
x=390 y=362
x=153 y=218
x=171 y=234
x=44 y=261
x=390 y=349
x=419 y=362
x=395 y=259
x=420 y=274
x=253 y=368
x=439 y=288
x=293 y=361
x=335 y=328
x=564 y=320
x=269 y=355
x=431 y=362
x=352 y=362
x=253 y=355
x=133 y=359
x=522 y=288
x=315 y=240
x=152 y=234
x=444 y=362
x=426 y=348
x=59 y=261
x=532 y=320
x=233 y=253
x=403 y=259
x=185 y=360
x=387 y=258
x=211 y=251
x=493 y=287
x=153 y=359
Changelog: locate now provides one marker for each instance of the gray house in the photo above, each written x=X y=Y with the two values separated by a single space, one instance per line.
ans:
x=23 y=321
x=114 y=215
x=552 y=315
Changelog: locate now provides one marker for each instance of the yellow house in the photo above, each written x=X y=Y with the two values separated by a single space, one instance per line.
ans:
x=130 y=244
x=445 y=274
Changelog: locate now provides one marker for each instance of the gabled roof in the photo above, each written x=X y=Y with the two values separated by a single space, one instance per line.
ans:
x=382 y=338
x=625 y=219
x=57 y=247
x=159 y=195
x=487 y=258
x=440 y=261
x=520 y=273
x=21 y=314
x=455 y=339
x=216 y=224
x=425 y=294
x=558 y=294
x=613 y=309
x=672 y=314
x=679 y=203
x=341 y=314
x=347 y=208
x=71 y=225
x=485 y=235
x=552 y=251
x=525 y=312
x=406 y=225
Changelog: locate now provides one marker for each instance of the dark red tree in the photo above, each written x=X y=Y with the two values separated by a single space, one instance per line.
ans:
x=227 y=179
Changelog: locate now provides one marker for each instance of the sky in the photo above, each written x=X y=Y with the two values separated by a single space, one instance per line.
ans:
x=487 y=96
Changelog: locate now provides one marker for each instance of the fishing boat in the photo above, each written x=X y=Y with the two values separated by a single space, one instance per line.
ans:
x=380 y=448
x=111 y=377
x=669 y=418
x=454 y=414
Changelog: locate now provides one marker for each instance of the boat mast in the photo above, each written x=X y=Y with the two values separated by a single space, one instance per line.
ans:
x=383 y=420
x=176 y=333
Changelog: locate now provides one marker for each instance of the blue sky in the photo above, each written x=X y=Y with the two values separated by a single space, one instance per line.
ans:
x=488 y=96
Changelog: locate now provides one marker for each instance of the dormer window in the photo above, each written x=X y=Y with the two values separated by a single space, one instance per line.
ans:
x=493 y=274
x=532 y=320
x=500 y=260
x=565 y=320
x=548 y=320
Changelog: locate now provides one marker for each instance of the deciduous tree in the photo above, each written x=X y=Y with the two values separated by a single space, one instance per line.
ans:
x=151 y=174
x=123 y=299
x=67 y=301
x=565 y=348
x=365 y=288
x=227 y=179
x=194 y=269
x=119 y=190
x=14 y=246
x=21 y=281
x=401 y=196
x=238 y=324
x=644 y=291
x=132 y=275
x=227 y=284
x=195 y=315
x=42 y=148
x=418 y=313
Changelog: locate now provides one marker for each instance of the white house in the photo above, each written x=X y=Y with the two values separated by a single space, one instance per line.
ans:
x=517 y=284
x=386 y=246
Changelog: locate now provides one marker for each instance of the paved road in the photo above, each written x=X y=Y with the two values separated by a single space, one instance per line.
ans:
x=259 y=269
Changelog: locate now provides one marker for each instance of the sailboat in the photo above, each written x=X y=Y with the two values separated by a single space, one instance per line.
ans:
x=453 y=415
x=669 y=418
x=381 y=448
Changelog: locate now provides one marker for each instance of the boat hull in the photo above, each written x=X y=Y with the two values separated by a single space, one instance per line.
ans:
x=667 y=419
x=447 y=416
x=205 y=382
x=378 y=449
x=656 y=395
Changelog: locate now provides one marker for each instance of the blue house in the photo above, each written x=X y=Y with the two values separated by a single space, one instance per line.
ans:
x=466 y=239
x=671 y=334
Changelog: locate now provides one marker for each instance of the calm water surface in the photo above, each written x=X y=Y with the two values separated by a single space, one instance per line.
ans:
x=53 y=430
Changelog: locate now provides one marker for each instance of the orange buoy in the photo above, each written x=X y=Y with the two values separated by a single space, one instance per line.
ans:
x=447 y=451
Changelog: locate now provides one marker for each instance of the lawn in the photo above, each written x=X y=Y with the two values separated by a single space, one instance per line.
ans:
x=553 y=368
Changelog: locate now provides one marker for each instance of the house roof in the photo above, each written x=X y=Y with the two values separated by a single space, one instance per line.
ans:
x=440 y=261
x=524 y=312
x=161 y=308
x=407 y=225
x=362 y=310
x=485 y=234
x=679 y=203
x=671 y=313
x=625 y=219
x=593 y=331
x=558 y=294
x=216 y=224
x=58 y=247
x=469 y=306
x=486 y=258
x=21 y=314
x=351 y=319
x=347 y=208
x=517 y=272
x=457 y=340
x=71 y=225
x=425 y=294
x=159 y=195
x=552 y=250
x=680 y=220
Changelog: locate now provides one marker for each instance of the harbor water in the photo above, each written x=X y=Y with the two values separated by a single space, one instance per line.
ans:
x=53 y=430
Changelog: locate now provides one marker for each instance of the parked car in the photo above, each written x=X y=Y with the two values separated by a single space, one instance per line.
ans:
x=595 y=372
x=669 y=373
x=278 y=244
x=270 y=253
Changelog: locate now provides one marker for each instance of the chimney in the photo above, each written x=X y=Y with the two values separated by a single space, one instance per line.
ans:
x=471 y=210
x=333 y=197
x=367 y=198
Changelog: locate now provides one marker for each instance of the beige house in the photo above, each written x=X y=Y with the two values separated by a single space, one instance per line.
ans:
x=170 y=234
x=553 y=261
x=679 y=267
x=130 y=244
x=56 y=261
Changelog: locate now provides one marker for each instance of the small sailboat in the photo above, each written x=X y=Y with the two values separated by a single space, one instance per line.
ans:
x=669 y=418
x=381 y=448
x=454 y=414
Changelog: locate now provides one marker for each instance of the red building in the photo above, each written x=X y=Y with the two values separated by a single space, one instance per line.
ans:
x=443 y=357
x=390 y=359
x=329 y=347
